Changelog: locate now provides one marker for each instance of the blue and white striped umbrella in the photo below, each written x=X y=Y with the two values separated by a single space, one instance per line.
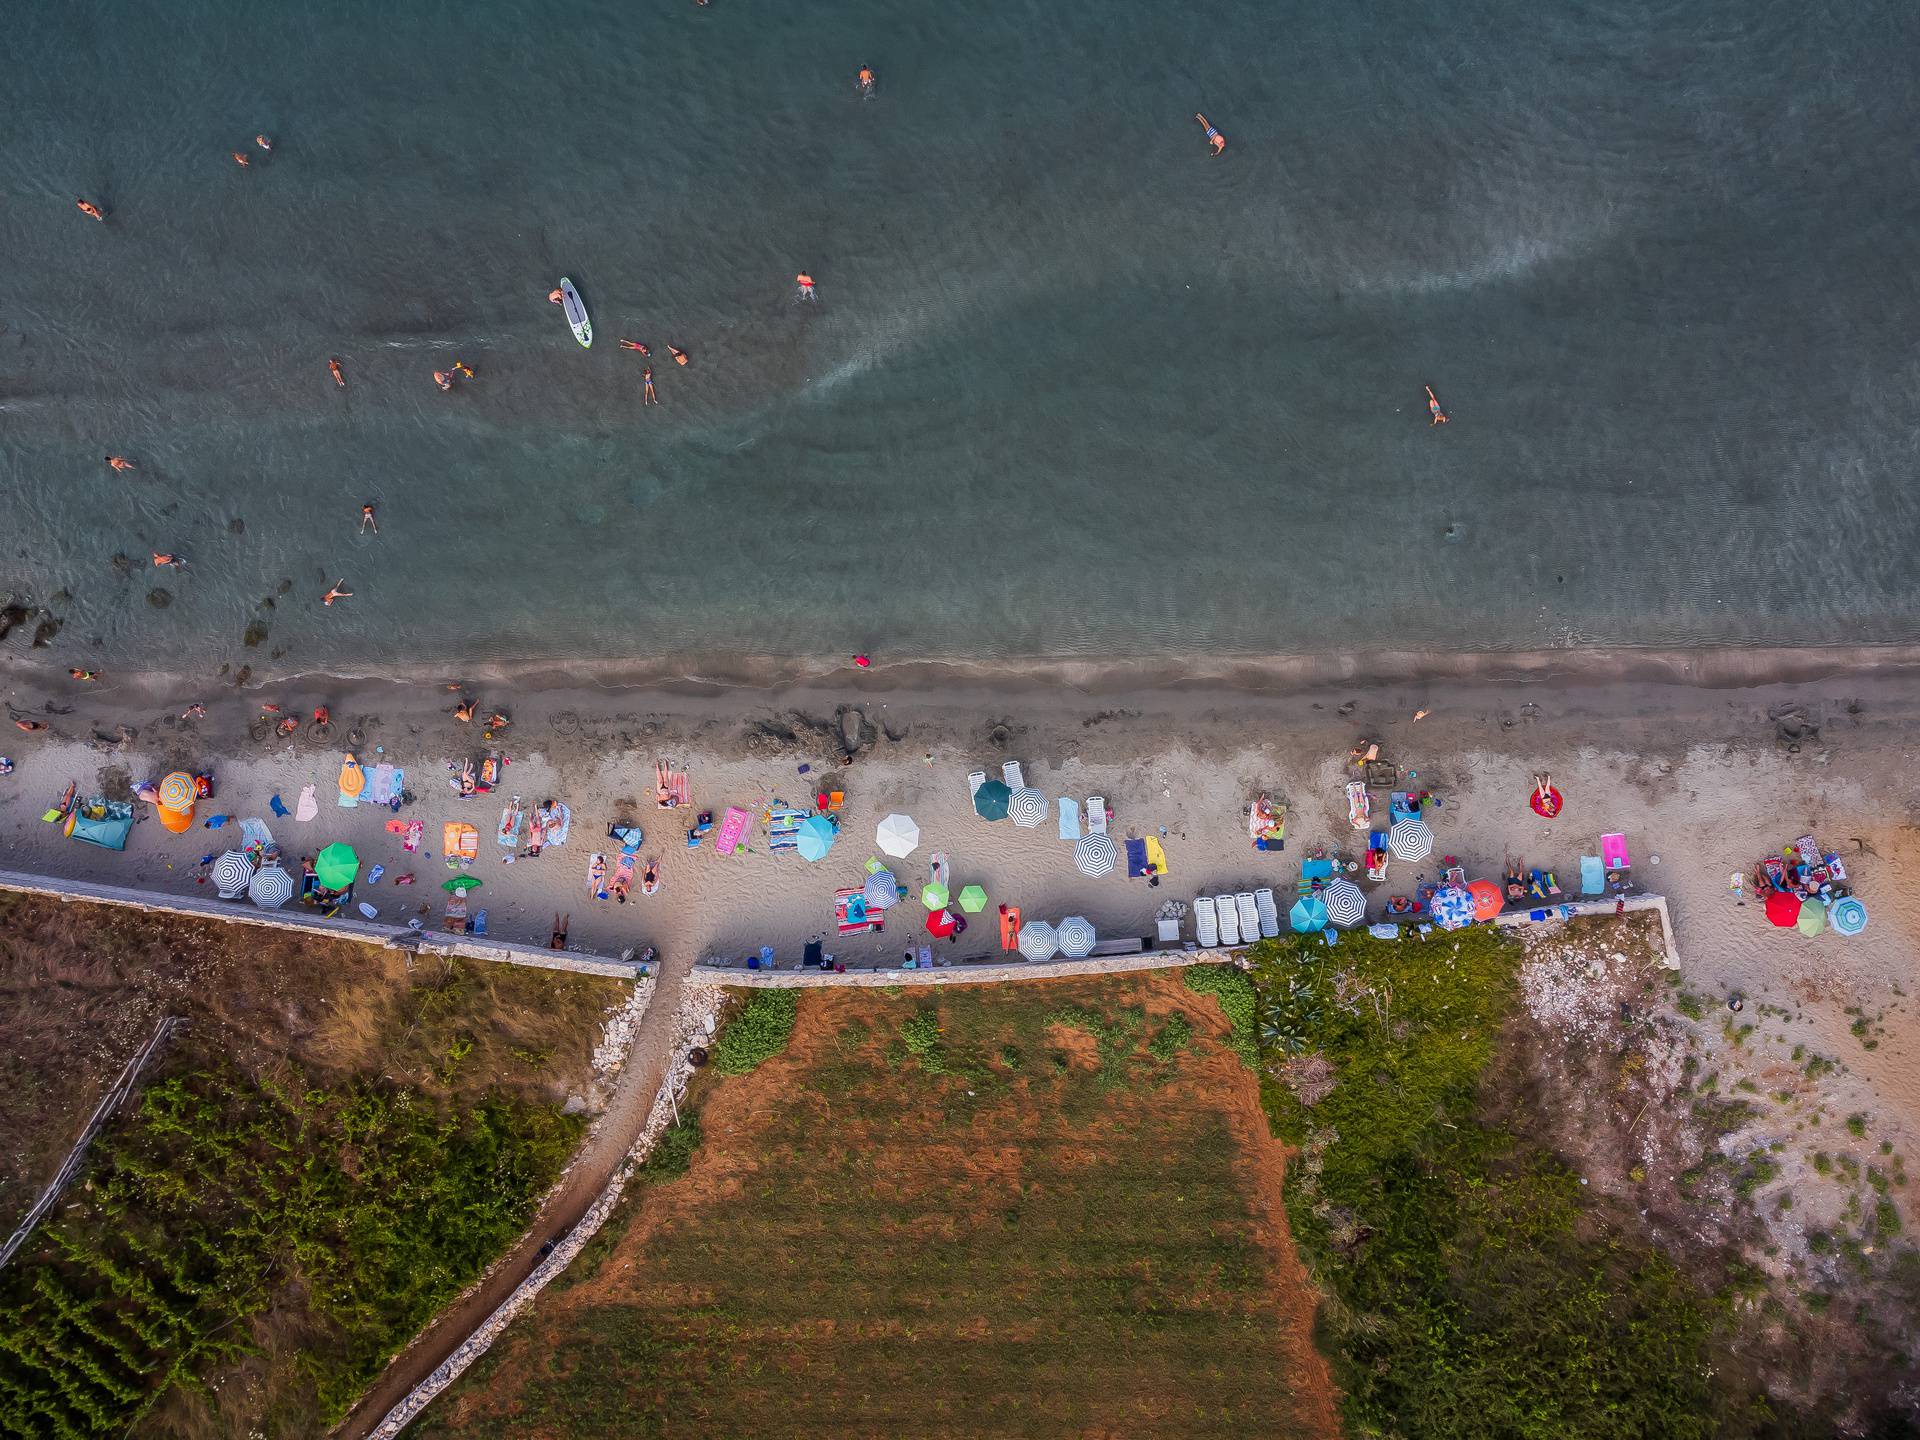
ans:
x=1410 y=839
x=231 y=872
x=1038 y=940
x=1452 y=908
x=1076 y=936
x=271 y=888
x=1095 y=854
x=881 y=890
x=1346 y=905
x=1847 y=916
x=1027 y=807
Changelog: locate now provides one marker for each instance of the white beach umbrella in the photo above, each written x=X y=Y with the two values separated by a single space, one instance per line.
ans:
x=1038 y=941
x=1027 y=807
x=1410 y=839
x=271 y=888
x=1076 y=936
x=231 y=872
x=881 y=890
x=1345 y=904
x=1095 y=854
x=897 y=835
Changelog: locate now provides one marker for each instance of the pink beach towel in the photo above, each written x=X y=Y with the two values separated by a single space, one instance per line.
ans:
x=733 y=830
x=1613 y=852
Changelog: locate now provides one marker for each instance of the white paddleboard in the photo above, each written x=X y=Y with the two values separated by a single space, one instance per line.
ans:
x=576 y=313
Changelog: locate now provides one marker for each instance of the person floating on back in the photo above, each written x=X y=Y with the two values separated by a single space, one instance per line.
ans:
x=635 y=345
x=647 y=397
x=367 y=521
x=333 y=366
x=119 y=462
x=1214 y=137
x=338 y=592
x=240 y=159
x=805 y=283
x=1433 y=408
x=679 y=356
x=87 y=207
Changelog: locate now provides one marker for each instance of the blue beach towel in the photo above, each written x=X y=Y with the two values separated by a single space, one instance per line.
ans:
x=1593 y=876
x=1136 y=858
x=280 y=810
x=1069 y=818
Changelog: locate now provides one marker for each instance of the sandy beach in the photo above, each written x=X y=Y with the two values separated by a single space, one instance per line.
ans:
x=1703 y=780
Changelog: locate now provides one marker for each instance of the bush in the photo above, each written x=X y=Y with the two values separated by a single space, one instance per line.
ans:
x=1233 y=992
x=672 y=1154
x=757 y=1033
x=1170 y=1039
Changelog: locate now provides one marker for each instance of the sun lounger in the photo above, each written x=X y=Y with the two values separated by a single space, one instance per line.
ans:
x=1613 y=852
x=1228 y=914
x=1249 y=914
x=1011 y=773
x=1069 y=818
x=1206 y=925
x=974 y=782
x=1593 y=875
x=1096 y=815
x=733 y=830
x=1269 y=912
x=1359 y=807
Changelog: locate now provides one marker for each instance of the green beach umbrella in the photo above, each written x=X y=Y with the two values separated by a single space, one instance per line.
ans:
x=461 y=883
x=934 y=897
x=1812 y=919
x=990 y=800
x=336 y=867
x=973 y=899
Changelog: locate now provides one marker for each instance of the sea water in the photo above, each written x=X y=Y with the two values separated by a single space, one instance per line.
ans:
x=1070 y=387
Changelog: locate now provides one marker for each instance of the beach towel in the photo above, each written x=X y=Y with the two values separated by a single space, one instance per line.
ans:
x=1156 y=855
x=1136 y=858
x=1069 y=818
x=733 y=830
x=308 y=804
x=1613 y=852
x=510 y=820
x=384 y=784
x=254 y=835
x=848 y=924
x=1384 y=931
x=280 y=811
x=460 y=843
x=556 y=823
x=1593 y=875
x=353 y=780
x=783 y=827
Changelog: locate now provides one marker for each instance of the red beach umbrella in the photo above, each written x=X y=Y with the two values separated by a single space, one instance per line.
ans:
x=1783 y=908
x=1487 y=899
x=940 y=923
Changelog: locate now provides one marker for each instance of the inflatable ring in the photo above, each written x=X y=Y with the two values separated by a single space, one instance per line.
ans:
x=1546 y=804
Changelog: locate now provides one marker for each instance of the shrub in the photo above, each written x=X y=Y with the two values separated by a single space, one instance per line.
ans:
x=1234 y=993
x=757 y=1033
x=1170 y=1039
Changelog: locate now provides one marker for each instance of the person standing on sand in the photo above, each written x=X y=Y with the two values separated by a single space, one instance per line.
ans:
x=338 y=592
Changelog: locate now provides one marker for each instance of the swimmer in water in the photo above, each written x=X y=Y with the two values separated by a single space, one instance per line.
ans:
x=84 y=674
x=240 y=159
x=555 y=297
x=367 y=520
x=119 y=462
x=805 y=283
x=333 y=367
x=1214 y=137
x=338 y=592
x=679 y=356
x=864 y=82
x=635 y=345
x=263 y=142
x=87 y=207
x=443 y=380
x=1433 y=408
x=647 y=397
x=463 y=368
x=168 y=561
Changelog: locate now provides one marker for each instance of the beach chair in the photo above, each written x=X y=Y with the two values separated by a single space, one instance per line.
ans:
x=1206 y=925
x=974 y=782
x=1096 y=815
x=1593 y=875
x=1228 y=914
x=1359 y=807
x=1249 y=914
x=1069 y=818
x=1269 y=913
x=1011 y=773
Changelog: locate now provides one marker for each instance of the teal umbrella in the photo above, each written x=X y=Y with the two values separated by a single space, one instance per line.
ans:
x=990 y=800
x=815 y=837
x=336 y=867
x=1309 y=915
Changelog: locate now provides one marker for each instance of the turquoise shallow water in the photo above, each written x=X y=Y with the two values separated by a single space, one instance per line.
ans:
x=1071 y=387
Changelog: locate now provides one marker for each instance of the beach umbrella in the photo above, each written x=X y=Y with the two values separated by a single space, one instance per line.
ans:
x=815 y=837
x=1095 y=854
x=460 y=884
x=1027 y=807
x=940 y=923
x=1452 y=908
x=270 y=888
x=336 y=867
x=231 y=872
x=1308 y=916
x=1410 y=839
x=177 y=791
x=897 y=835
x=933 y=895
x=990 y=800
x=973 y=899
x=1345 y=904
x=1783 y=907
x=1812 y=921
x=1038 y=940
x=881 y=890
x=1487 y=899
x=1848 y=916
x=1076 y=936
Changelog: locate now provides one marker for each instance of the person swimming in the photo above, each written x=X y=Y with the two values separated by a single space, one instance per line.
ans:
x=464 y=368
x=168 y=561
x=84 y=674
x=647 y=397
x=555 y=297
x=87 y=207
x=864 y=82
x=263 y=142
x=338 y=592
x=367 y=521
x=679 y=356
x=443 y=380
x=240 y=159
x=805 y=283
x=1433 y=408
x=333 y=368
x=120 y=462
x=1214 y=137
x=635 y=345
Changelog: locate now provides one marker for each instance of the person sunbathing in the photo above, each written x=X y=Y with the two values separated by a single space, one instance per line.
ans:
x=650 y=878
x=464 y=780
